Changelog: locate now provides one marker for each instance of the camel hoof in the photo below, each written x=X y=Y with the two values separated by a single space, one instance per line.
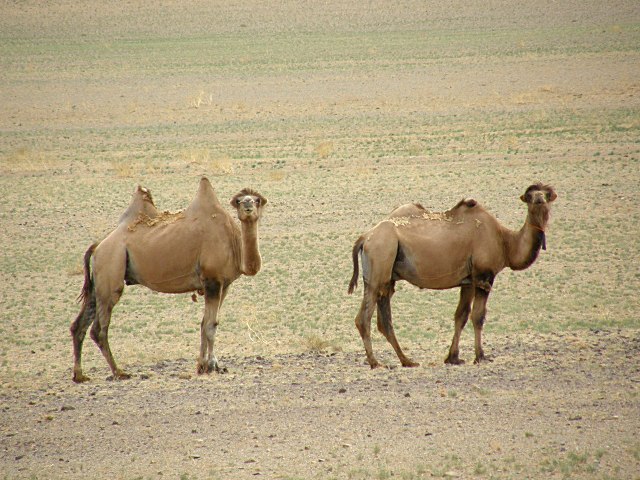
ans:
x=454 y=361
x=80 y=378
x=482 y=359
x=210 y=367
x=410 y=364
x=120 y=375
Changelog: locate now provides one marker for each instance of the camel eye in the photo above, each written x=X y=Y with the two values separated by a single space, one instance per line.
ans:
x=257 y=201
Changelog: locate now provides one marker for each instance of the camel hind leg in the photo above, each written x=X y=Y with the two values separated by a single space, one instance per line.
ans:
x=363 y=323
x=78 y=331
x=100 y=334
x=85 y=318
x=385 y=326
x=378 y=257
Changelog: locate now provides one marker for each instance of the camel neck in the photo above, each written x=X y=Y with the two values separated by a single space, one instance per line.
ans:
x=251 y=260
x=524 y=245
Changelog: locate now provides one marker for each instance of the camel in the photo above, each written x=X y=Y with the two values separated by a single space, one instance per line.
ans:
x=200 y=249
x=463 y=247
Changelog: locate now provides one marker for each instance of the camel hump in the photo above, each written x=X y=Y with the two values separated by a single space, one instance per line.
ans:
x=205 y=199
x=408 y=210
x=466 y=202
x=141 y=204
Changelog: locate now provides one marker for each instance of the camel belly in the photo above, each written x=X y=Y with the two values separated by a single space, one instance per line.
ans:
x=431 y=268
x=163 y=263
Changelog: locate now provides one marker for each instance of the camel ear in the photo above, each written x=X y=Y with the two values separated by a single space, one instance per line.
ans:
x=523 y=198
x=551 y=195
x=261 y=200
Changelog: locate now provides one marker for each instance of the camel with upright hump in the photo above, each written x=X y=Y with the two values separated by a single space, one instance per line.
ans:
x=463 y=247
x=200 y=249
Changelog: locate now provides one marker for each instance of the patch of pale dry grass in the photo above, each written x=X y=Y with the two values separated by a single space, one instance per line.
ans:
x=25 y=159
x=276 y=176
x=211 y=165
x=317 y=343
x=324 y=149
x=201 y=99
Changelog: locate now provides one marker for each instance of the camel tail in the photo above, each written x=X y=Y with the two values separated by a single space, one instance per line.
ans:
x=356 y=251
x=87 y=287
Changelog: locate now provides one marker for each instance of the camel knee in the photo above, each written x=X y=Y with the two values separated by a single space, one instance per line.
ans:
x=209 y=329
x=98 y=335
x=478 y=322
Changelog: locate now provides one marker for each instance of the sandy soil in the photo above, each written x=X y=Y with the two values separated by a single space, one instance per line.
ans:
x=328 y=415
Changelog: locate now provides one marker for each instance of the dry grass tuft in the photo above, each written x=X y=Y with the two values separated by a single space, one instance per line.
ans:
x=276 y=176
x=202 y=99
x=201 y=157
x=76 y=269
x=123 y=169
x=324 y=149
x=315 y=343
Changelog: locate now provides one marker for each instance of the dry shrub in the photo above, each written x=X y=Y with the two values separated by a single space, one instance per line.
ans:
x=123 y=168
x=202 y=99
x=315 y=343
x=76 y=269
x=201 y=157
x=276 y=176
x=324 y=149
x=221 y=166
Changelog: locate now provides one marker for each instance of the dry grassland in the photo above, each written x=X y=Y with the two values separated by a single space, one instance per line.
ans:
x=337 y=112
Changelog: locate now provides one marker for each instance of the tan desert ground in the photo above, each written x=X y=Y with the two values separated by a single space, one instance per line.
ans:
x=336 y=112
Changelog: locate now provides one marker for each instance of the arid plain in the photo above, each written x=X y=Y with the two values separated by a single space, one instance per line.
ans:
x=337 y=112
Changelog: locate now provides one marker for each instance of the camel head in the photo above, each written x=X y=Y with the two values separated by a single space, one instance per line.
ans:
x=249 y=205
x=539 y=194
x=538 y=198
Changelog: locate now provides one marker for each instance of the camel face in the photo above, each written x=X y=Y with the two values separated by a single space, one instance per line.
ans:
x=539 y=194
x=249 y=205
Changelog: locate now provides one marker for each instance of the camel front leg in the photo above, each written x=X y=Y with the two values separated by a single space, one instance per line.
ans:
x=478 y=316
x=363 y=323
x=214 y=294
x=460 y=318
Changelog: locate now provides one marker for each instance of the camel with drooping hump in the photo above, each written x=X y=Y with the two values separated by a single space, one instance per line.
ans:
x=200 y=249
x=463 y=247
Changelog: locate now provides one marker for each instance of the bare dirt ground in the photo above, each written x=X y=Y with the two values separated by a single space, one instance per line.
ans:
x=337 y=112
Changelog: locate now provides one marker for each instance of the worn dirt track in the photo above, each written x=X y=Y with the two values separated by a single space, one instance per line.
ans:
x=328 y=415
